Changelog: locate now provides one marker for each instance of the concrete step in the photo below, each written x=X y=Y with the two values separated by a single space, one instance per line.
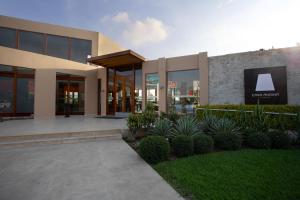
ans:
x=59 y=138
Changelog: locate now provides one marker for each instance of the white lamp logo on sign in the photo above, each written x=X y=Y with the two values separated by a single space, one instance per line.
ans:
x=264 y=83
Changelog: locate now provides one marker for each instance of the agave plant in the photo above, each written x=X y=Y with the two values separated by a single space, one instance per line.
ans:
x=207 y=120
x=161 y=127
x=186 y=125
x=223 y=125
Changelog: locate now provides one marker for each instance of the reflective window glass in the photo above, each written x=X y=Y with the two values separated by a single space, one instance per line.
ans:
x=23 y=70
x=80 y=49
x=57 y=46
x=8 y=37
x=30 y=41
x=183 y=90
x=25 y=95
x=138 y=90
x=6 y=94
x=152 y=89
x=5 y=68
x=110 y=90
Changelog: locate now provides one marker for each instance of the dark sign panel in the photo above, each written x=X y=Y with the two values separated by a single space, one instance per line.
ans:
x=265 y=85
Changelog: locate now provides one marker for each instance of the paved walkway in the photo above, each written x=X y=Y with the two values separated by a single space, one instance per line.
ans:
x=59 y=124
x=108 y=170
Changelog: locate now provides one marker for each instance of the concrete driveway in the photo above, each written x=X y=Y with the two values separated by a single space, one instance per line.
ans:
x=108 y=170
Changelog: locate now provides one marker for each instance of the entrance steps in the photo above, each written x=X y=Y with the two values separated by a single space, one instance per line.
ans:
x=59 y=138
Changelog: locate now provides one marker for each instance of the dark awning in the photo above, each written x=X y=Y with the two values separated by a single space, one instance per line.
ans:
x=127 y=57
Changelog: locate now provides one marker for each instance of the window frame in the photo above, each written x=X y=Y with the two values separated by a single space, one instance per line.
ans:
x=45 y=43
x=44 y=40
x=16 y=36
x=167 y=85
x=15 y=74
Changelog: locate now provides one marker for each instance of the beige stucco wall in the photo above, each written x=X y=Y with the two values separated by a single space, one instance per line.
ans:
x=106 y=45
x=15 y=57
x=164 y=65
x=44 y=97
x=45 y=79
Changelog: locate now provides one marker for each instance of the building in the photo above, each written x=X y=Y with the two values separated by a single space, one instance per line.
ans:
x=48 y=70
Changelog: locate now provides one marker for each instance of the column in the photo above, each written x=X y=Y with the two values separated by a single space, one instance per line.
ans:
x=44 y=93
x=162 y=73
x=203 y=68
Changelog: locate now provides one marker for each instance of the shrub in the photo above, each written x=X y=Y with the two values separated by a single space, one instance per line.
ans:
x=182 y=145
x=148 y=116
x=228 y=141
x=186 y=125
x=172 y=115
x=202 y=143
x=226 y=134
x=161 y=127
x=274 y=121
x=298 y=128
x=134 y=123
x=154 y=149
x=247 y=131
x=258 y=140
x=298 y=138
x=279 y=139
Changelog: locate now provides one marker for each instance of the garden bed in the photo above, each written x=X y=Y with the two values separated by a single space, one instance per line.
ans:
x=211 y=169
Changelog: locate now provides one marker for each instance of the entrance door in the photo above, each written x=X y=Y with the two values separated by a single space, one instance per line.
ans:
x=124 y=97
x=70 y=97
x=120 y=90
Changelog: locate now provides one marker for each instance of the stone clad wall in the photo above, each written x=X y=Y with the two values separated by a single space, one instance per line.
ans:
x=226 y=73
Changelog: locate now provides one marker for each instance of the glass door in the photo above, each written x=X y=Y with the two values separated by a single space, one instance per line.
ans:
x=124 y=87
x=124 y=99
x=69 y=96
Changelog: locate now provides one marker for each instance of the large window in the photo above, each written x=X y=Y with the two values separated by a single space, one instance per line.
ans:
x=16 y=91
x=57 y=46
x=183 y=90
x=6 y=94
x=80 y=49
x=152 y=89
x=25 y=95
x=138 y=89
x=30 y=41
x=110 y=91
x=8 y=37
x=53 y=45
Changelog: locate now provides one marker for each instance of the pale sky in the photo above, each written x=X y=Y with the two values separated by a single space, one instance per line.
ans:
x=166 y=28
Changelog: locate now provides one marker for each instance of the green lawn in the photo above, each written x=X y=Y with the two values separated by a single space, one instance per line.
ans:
x=245 y=174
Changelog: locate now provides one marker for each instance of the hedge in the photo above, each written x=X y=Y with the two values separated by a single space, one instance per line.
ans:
x=280 y=121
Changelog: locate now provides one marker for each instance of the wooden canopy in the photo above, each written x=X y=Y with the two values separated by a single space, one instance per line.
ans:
x=126 y=57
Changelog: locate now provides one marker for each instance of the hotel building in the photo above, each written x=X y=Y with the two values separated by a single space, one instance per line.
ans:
x=48 y=70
